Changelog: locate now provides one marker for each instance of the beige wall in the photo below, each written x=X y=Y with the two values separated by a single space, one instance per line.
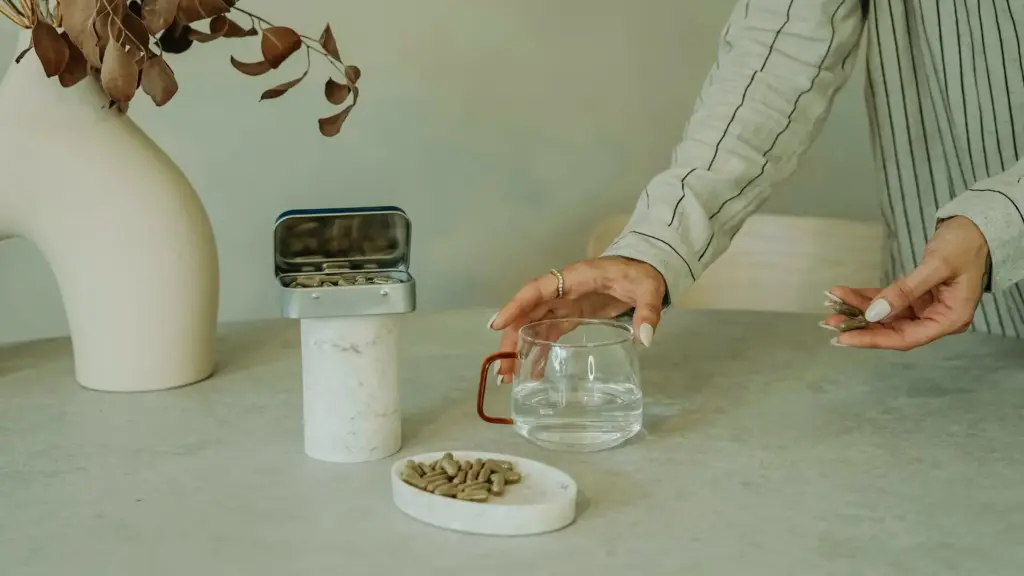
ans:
x=504 y=127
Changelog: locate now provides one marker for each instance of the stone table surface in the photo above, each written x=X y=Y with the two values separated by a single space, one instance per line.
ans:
x=766 y=451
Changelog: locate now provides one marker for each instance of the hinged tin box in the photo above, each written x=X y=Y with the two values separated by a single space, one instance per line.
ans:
x=344 y=262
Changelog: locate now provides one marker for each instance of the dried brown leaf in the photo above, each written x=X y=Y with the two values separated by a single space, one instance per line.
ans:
x=353 y=74
x=117 y=8
x=190 y=11
x=250 y=68
x=278 y=44
x=281 y=89
x=119 y=74
x=76 y=68
x=329 y=44
x=138 y=35
x=228 y=28
x=336 y=92
x=77 y=20
x=222 y=27
x=158 y=15
x=50 y=48
x=331 y=125
x=176 y=39
x=202 y=37
x=106 y=22
x=158 y=80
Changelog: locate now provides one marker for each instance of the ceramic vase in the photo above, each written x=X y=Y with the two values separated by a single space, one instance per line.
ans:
x=124 y=232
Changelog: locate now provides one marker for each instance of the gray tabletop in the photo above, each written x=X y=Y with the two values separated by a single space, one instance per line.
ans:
x=766 y=451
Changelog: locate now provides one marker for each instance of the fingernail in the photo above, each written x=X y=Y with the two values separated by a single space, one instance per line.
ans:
x=878 y=310
x=832 y=298
x=491 y=321
x=822 y=324
x=646 y=334
x=835 y=342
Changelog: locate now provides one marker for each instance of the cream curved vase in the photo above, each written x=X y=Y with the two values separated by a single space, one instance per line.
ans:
x=124 y=232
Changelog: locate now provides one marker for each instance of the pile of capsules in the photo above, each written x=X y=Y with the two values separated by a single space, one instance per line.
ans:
x=854 y=316
x=329 y=280
x=471 y=480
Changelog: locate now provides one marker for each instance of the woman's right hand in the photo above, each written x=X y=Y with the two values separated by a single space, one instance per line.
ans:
x=598 y=288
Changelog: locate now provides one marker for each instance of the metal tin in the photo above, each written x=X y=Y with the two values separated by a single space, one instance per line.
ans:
x=347 y=262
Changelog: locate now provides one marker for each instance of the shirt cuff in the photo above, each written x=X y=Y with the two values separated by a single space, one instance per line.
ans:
x=674 y=266
x=999 y=218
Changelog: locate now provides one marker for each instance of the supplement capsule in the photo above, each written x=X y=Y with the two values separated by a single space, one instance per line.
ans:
x=497 y=484
x=473 y=496
x=448 y=489
x=470 y=486
x=414 y=481
x=450 y=467
x=434 y=485
x=460 y=478
x=513 y=477
x=484 y=473
x=852 y=324
x=436 y=476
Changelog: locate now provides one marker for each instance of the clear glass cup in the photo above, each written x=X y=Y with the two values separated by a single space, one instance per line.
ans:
x=576 y=384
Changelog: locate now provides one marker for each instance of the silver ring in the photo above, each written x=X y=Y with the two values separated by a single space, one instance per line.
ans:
x=561 y=283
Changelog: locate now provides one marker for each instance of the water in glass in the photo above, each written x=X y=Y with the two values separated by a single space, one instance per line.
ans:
x=577 y=385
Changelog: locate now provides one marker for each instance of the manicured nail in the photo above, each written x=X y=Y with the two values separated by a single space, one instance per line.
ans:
x=835 y=342
x=646 y=334
x=832 y=298
x=491 y=321
x=878 y=310
x=822 y=324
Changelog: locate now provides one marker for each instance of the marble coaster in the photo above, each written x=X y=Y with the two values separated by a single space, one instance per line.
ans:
x=544 y=501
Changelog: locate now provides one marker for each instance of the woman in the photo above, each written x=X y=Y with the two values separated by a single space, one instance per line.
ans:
x=945 y=92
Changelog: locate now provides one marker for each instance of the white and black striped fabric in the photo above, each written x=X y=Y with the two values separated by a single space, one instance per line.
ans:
x=945 y=101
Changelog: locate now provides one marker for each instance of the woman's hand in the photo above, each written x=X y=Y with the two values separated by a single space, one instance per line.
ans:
x=937 y=299
x=599 y=288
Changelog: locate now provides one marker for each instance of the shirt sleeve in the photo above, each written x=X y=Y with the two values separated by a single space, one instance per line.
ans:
x=996 y=206
x=780 y=64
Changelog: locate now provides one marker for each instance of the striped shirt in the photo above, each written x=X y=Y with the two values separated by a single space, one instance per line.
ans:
x=945 y=101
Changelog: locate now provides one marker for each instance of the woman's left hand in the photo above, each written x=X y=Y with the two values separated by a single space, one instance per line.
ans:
x=936 y=299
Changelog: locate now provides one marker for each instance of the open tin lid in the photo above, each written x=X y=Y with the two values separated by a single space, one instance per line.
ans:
x=334 y=239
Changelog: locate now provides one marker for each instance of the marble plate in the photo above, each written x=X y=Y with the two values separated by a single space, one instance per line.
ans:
x=544 y=501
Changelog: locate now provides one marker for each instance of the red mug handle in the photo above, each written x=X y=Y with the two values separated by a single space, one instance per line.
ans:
x=484 y=371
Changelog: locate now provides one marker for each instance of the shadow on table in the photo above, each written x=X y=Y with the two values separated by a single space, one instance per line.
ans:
x=24 y=356
x=252 y=345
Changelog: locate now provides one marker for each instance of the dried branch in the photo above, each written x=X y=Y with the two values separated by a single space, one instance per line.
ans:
x=123 y=43
x=29 y=12
x=13 y=13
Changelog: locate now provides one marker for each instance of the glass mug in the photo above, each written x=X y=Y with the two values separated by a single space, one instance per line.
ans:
x=576 y=384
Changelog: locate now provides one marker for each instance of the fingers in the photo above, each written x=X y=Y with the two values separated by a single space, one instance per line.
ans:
x=902 y=335
x=577 y=279
x=857 y=297
x=647 y=313
x=861 y=298
x=901 y=294
x=510 y=339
